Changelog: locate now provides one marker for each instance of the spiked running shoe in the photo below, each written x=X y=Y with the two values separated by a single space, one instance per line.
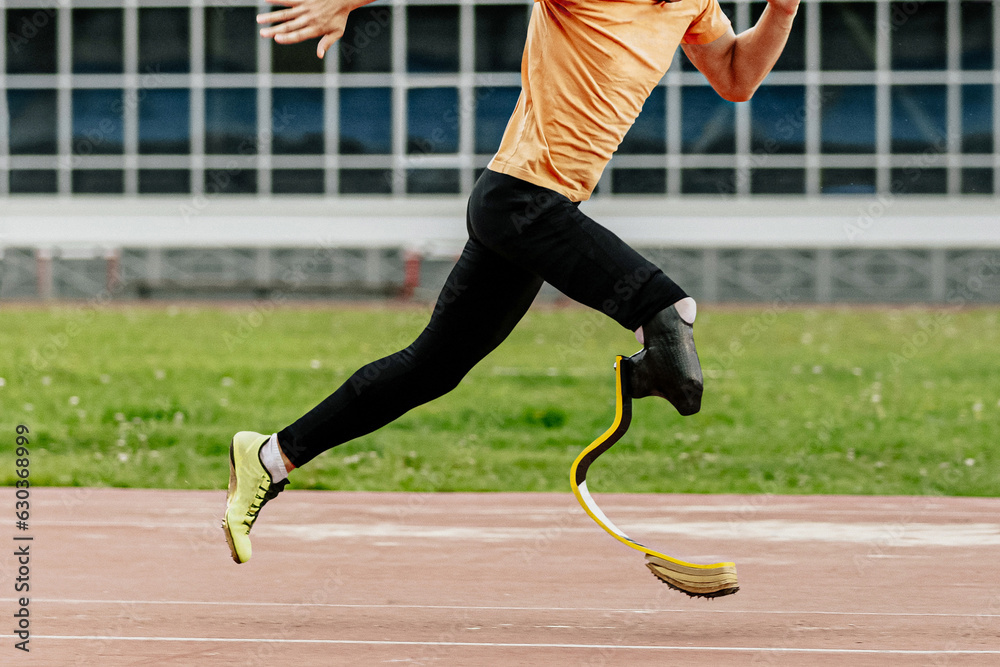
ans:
x=668 y=365
x=250 y=488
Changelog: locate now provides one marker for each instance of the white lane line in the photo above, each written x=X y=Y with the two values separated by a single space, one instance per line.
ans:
x=623 y=647
x=618 y=610
x=885 y=534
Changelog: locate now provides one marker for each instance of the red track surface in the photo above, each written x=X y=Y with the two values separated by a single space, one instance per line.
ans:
x=137 y=577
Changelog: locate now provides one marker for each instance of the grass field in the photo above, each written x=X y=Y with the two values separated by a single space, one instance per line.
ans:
x=798 y=400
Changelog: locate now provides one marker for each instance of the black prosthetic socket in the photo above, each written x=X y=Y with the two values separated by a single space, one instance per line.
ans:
x=667 y=365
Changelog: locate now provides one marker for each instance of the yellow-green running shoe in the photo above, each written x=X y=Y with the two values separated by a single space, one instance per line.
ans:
x=250 y=488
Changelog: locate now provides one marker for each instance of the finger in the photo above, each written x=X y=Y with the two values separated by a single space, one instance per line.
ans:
x=325 y=43
x=279 y=16
x=287 y=27
x=297 y=36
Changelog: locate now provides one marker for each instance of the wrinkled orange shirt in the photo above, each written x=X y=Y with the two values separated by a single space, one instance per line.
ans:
x=587 y=69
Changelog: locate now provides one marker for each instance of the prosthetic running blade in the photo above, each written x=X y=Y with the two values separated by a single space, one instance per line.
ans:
x=696 y=580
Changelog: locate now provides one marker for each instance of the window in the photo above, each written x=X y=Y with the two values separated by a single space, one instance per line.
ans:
x=432 y=38
x=231 y=120
x=977 y=37
x=918 y=35
x=297 y=120
x=432 y=181
x=848 y=119
x=33 y=181
x=230 y=39
x=707 y=124
x=432 y=118
x=365 y=121
x=101 y=98
x=98 y=38
x=639 y=181
x=31 y=41
x=297 y=181
x=847 y=36
x=164 y=181
x=32 y=121
x=500 y=35
x=165 y=121
x=919 y=118
x=778 y=117
x=977 y=119
x=164 y=40
x=98 y=126
x=367 y=42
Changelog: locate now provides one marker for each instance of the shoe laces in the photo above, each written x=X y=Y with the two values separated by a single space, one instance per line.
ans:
x=265 y=492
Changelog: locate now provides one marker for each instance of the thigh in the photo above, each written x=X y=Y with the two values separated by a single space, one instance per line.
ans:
x=547 y=234
x=483 y=299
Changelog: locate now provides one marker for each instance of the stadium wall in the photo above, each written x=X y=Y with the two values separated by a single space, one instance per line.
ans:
x=882 y=249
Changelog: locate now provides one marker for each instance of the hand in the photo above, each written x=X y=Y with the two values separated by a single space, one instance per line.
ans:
x=306 y=19
x=789 y=7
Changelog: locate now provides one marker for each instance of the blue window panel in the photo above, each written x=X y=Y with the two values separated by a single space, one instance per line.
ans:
x=32 y=128
x=432 y=120
x=493 y=109
x=297 y=120
x=649 y=133
x=977 y=119
x=707 y=122
x=98 y=125
x=231 y=120
x=848 y=119
x=165 y=121
x=778 y=120
x=365 y=121
x=919 y=118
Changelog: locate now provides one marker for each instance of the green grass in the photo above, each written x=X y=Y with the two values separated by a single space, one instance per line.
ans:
x=870 y=401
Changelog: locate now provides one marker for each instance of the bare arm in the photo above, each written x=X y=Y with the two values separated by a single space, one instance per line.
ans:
x=736 y=65
x=307 y=19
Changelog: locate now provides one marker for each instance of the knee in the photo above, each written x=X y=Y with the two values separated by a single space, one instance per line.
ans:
x=443 y=380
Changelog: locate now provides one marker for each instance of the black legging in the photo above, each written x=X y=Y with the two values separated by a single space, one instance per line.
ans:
x=519 y=236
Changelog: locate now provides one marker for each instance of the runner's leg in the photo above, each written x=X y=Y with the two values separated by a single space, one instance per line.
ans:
x=483 y=299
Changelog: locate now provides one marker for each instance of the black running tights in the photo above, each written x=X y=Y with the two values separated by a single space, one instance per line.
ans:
x=519 y=235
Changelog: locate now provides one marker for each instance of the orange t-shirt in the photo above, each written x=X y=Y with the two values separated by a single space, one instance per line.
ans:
x=587 y=69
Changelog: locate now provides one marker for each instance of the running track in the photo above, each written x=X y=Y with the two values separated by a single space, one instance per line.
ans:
x=141 y=577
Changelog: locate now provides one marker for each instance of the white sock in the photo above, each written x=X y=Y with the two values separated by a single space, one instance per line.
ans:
x=686 y=308
x=270 y=456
